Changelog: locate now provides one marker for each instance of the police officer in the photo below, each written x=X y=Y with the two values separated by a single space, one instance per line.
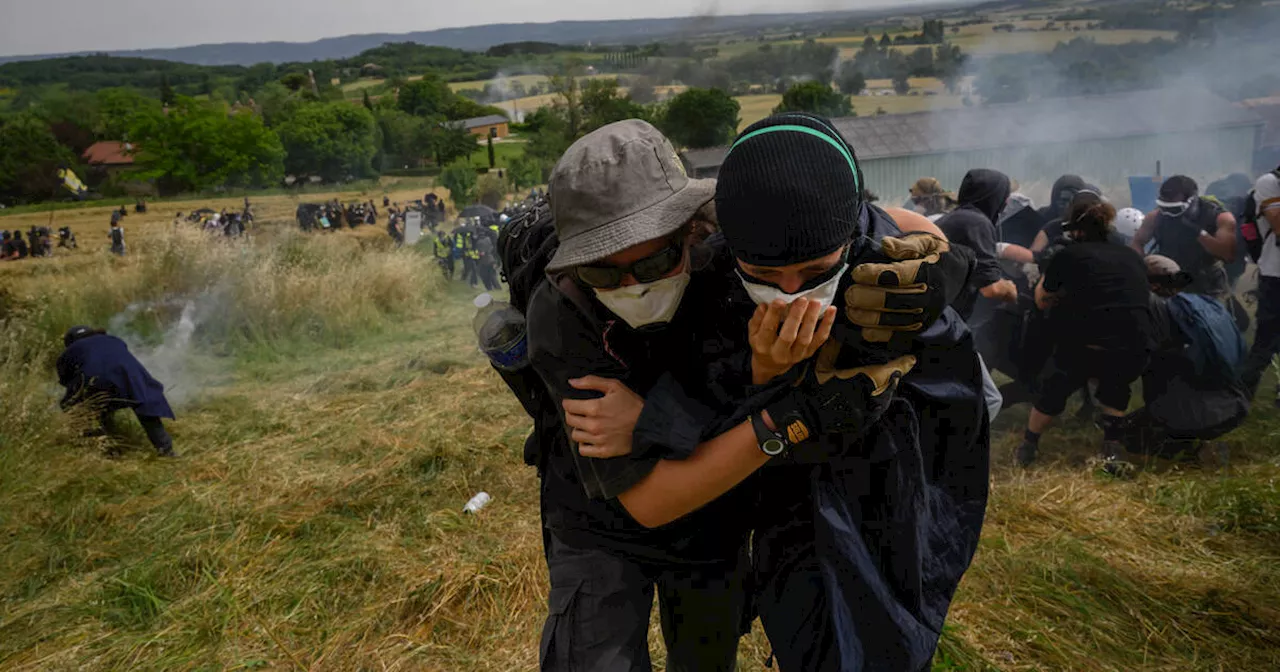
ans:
x=470 y=254
x=1195 y=233
x=98 y=368
x=444 y=253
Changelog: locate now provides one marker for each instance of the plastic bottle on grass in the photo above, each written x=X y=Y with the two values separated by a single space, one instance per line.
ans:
x=500 y=332
x=478 y=502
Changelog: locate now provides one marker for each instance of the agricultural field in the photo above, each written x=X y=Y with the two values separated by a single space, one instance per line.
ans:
x=980 y=40
x=342 y=418
x=757 y=107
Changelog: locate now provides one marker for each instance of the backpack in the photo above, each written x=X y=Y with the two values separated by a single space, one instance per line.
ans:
x=1248 y=229
x=525 y=247
x=1214 y=344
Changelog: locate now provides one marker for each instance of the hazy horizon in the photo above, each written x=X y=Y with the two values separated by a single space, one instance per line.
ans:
x=36 y=28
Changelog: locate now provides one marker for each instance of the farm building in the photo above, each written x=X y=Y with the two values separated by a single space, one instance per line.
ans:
x=1104 y=138
x=109 y=156
x=494 y=125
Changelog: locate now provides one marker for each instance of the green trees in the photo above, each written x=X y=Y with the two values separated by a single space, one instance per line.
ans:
x=29 y=159
x=426 y=97
x=701 y=118
x=525 y=172
x=334 y=140
x=198 y=145
x=850 y=80
x=119 y=110
x=817 y=98
x=603 y=104
x=448 y=142
x=461 y=183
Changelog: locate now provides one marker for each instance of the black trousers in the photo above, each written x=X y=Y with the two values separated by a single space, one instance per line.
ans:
x=153 y=426
x=469 y=274
x=446 y=265
x=489 y=275
x=1073 y=366
x=600 y=602
x=1266 y=342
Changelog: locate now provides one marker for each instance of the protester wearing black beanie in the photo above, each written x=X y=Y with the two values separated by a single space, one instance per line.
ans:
x=789 y=191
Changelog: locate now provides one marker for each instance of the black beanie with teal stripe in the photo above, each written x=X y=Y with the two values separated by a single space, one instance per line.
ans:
x=789 y=191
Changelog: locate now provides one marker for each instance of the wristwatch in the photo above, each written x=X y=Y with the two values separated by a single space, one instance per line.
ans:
x=771 y=443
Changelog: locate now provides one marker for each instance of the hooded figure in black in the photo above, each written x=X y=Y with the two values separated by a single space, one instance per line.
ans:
x=982 y=196
x=1063 y=191
x=99 y=368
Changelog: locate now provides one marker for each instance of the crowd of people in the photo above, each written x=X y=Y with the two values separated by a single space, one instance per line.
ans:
x=766 y=395
x=1082 y=297
x=333 y=215
x=225 y=222
x=38 y=242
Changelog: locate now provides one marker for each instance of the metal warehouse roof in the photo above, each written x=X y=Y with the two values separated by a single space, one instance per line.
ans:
x=477 y=122
x=1057 y=120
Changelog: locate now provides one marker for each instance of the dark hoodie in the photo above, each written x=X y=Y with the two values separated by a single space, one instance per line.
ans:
x=982 y=196
x=1063 y=191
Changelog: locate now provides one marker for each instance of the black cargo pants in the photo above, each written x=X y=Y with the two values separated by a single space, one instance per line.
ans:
x=1266 y=341
x=600 y=604
x=153 y=426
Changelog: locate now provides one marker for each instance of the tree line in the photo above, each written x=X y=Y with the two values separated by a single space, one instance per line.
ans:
x=188 y=144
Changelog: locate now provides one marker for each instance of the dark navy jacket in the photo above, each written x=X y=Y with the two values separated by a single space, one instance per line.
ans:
x=102 y=364
x=858 y=553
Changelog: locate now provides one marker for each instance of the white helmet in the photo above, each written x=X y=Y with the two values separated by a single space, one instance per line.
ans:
x=1127 y=222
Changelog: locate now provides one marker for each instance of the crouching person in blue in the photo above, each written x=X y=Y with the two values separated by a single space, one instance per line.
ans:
x=1192 y=387
x=873 y=442
x=97 y=368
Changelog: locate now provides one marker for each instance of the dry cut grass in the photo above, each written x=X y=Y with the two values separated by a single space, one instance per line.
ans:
x=315 y=520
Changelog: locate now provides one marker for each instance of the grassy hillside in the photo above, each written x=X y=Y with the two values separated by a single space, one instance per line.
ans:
x=342 y=419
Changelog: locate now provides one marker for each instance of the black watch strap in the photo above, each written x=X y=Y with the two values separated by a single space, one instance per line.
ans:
x=771 y=443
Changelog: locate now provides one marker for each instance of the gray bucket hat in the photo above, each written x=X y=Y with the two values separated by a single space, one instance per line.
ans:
x=620 y=186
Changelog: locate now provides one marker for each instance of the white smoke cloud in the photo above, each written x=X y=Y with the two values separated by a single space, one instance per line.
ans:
x=172 y=361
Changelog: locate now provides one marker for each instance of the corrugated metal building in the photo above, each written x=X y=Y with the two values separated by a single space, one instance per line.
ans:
x=1105 y=139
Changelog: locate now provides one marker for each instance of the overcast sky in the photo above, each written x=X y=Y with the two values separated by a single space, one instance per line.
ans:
x=53 y=26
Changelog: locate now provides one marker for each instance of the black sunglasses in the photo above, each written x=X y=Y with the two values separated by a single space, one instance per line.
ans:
x=650 y=269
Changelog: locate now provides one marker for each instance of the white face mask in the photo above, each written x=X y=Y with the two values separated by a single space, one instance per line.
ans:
x=824 y=294
x=651 y=303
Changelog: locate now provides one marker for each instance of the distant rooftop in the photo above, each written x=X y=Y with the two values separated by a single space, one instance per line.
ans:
x=108 y=153
x=1057 y=120
x=478 y=122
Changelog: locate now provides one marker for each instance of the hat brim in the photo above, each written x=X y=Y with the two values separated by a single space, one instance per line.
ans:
x=653 y=222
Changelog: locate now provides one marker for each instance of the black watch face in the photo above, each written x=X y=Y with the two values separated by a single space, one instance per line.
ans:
x=773 y=447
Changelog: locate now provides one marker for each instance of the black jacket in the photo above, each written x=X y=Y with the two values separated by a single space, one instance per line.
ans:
x=883 y=528
x=982 y=196
x=572 y=335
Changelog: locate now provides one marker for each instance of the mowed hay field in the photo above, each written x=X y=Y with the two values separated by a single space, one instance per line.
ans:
x=314 y=520
x=980 y=40
x=757 y=107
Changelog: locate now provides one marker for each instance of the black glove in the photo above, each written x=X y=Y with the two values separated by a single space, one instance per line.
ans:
x=903 y=288
x=828 y=400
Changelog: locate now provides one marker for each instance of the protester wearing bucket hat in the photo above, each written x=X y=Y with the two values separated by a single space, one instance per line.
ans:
x=619 y=188
x=931 y=199
x=622 y=300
